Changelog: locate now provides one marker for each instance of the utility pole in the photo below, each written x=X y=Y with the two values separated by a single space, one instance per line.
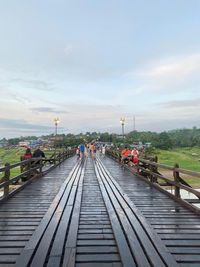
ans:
x=133 y=123
x=122 y=123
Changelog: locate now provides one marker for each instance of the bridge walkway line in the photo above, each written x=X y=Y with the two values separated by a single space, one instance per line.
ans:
x=91 y=223
x=176 y=226
x=21 y=214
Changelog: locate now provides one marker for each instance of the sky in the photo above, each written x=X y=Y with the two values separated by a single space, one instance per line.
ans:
x=90 y=63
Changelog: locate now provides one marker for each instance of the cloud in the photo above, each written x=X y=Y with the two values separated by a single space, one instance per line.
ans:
x=19 y=98
x=35 y=84
x=193 y=103
x=174 y=73
x=21 y=124
x=177 y=68
x=48 y=110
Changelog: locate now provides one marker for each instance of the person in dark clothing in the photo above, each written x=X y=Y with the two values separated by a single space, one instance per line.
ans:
x=38 y=153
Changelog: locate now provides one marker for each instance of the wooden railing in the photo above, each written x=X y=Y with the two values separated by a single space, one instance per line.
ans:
x=29 y=170
x=148 y=169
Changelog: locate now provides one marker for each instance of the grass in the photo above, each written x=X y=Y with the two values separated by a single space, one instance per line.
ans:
x=12 y=156
x=182 y=156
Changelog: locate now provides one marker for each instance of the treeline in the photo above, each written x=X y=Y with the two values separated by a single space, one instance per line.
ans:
x=167 y=140
x=164 y=140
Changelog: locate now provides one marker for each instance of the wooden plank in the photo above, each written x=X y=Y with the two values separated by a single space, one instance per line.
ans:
x=185 y=250
x=16 y=244
x=177 y=236
x=95 y=226
x=96 y=242
x=178 y=231
x=97 y=258
x=130 y=231
x=8 y=259
x=97 y=249
x=26 y=255
x=15 y=233
x=17 y=228
x=45 y=242
x=182 y=243
x=188 y=258
x=10 y=251
x=13 y=238
x=70 y=244
x=131 y=184
x=137 y=225
x=98 y=264
x=124 y=250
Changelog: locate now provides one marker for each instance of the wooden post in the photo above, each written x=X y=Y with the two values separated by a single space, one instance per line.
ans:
x=150 y=167
x=155 y=169
x=41 y=166
x=54 y=158
x=29 y=168
x=59 y=157
x=138 y=166
x=176 y=179
x=6 y=178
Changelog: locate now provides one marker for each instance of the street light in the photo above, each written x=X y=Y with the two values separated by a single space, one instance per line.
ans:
x=56 y=125
x=122 y=123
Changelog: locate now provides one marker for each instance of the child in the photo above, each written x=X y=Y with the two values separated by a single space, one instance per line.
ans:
x=78 y=153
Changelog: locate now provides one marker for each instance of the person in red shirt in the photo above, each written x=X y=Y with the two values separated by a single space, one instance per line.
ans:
x=28 y=154
x=134 y=154
x=125 y=154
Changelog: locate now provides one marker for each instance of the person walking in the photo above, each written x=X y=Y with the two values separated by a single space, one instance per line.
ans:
x=78 y=153
x=82 y=150
x=94 y=151
x=103 y=150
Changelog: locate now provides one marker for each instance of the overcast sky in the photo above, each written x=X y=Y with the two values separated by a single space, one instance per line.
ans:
x=89 y=63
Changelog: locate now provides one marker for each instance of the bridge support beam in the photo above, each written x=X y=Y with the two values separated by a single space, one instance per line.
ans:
x=176 y=179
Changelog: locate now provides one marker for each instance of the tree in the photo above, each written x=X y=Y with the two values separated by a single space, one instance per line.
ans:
x=164 y=141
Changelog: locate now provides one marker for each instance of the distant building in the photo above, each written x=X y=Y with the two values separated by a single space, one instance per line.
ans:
x=4 y=144
x=56 y=138
x=147 y=144
x=36 y=143
x=24 y=143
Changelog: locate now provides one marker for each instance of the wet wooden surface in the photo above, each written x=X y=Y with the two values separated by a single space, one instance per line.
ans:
x=21 y=215
x=177 y=227
x=96 y=214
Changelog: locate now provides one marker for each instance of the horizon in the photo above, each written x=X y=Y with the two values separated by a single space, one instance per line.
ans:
x=84 y=133
x=92 y=63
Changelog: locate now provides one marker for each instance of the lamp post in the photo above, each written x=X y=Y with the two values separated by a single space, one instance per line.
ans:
x=122 y=123
x=56 y=125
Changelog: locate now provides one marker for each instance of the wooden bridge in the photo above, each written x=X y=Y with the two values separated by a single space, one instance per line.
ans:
x=95 y=213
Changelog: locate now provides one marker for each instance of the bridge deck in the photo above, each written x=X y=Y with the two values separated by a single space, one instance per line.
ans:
x=177 y=227
x=91 y=222
x=21 y=214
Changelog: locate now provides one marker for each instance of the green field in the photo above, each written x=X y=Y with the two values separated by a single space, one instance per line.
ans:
x=182 y=156
x=12 y=156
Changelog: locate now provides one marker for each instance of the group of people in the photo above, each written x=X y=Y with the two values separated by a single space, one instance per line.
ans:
x=129 y=155
x=38 y=153
x=90 y=148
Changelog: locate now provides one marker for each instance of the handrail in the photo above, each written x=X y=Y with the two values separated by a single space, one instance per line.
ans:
x=149 y=170
x=30 y=169
x=192 y=173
